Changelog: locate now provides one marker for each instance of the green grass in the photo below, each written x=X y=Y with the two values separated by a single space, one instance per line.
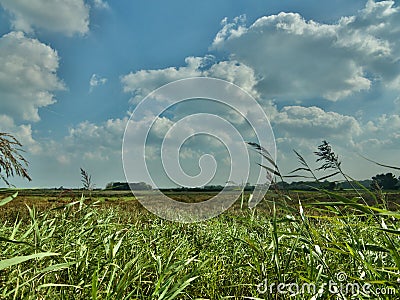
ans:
x=89 y=250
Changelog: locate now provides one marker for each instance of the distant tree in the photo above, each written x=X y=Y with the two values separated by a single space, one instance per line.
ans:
x=385 y=181
x=11 y=161
x=140 y=186
x=109 y=185
x=117 y=186
x=330 y=185
x=213 y=187
x=125 y=186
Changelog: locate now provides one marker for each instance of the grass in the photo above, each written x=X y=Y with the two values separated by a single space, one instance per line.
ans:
x=11 y=160
x=89 y=250
x=293 y=245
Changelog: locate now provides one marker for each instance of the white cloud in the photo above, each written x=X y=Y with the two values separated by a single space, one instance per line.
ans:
x=384 y=130
x=237 y=73
x=95 y=140
x=281 y=56
x=285 y=57
x=94 y=147
x=142 y=82
x=100 y=4
x=65 y=16
x=161 y=126
x=315 y=123
x=23 y=133
x=95 y=81
x=300 y=59
x=27 y=76
x=302 y=129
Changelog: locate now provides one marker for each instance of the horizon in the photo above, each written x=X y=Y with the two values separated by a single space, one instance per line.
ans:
x=181 y=187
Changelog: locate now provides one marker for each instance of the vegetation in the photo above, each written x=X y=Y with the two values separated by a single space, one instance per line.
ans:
x=332 y=245
x=11 y=161
x=86 y=180
x=125 y=186
x=385 y=181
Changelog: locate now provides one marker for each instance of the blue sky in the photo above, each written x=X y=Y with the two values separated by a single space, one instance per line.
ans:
x=72 y=71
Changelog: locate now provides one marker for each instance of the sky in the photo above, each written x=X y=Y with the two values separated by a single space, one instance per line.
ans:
x=72 y=73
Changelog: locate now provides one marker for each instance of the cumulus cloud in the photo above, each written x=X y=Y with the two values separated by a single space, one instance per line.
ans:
x=95 y=140
x=95 y=81
x=65 y=16
x=382 y=132
x=278 y=57
x=314 y=122
x=142 y=82
x=303 y=128
x=285 y=58
x=302 y=59
x=23 y=133
x=96 y=147
x=28 y=76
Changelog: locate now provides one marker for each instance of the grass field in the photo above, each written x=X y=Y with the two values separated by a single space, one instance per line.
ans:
x=297 y=245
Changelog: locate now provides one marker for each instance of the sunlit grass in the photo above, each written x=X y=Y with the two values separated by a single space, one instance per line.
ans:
x=81 y=251
x=112 y=248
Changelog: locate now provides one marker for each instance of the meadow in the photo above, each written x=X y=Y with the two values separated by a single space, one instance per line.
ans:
x=293 y=245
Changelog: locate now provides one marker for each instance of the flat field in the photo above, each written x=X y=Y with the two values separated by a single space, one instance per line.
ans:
x=105 y=245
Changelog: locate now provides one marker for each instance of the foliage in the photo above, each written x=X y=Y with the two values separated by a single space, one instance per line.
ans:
x=11 y=161
x=326 y=154
x=114 y=253
x=125 y=186
x=86 y=180
x=385 y=181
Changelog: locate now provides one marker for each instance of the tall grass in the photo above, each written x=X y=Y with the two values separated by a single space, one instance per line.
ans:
x=85 y=251
x=86 y=180
x=11 y=160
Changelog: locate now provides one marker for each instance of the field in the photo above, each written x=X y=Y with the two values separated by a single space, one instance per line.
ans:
x=294 y=245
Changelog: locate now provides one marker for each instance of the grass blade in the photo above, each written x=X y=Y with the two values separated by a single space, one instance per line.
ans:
x=8 y=199
x=5 y=263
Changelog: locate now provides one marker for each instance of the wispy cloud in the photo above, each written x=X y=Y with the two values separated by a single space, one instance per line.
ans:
x=95 y=81
x=100 y=4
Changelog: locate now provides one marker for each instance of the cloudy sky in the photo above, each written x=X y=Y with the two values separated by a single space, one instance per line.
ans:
x=72 y=72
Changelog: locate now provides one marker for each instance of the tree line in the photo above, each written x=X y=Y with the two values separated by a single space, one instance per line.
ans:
x=13 y=163
x=386 y=181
